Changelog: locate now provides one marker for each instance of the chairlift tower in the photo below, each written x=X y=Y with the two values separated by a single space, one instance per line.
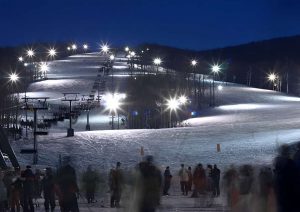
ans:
x=70 y=97
x=40 y=103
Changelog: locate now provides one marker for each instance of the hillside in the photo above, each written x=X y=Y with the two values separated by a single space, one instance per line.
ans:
x=280 y=55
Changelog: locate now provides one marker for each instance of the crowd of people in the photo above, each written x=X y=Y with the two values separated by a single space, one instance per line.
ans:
x=245 y=188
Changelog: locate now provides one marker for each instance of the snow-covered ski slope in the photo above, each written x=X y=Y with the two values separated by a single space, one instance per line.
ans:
x=248 y=123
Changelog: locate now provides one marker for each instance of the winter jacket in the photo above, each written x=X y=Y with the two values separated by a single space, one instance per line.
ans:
x=183 y=174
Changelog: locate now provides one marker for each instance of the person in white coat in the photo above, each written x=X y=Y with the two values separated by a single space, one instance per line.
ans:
x=184 y=177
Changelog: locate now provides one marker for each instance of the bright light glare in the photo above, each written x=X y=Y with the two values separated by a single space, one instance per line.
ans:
x=272 y=77
x=194 y=62
x=132 y=54
x=182 y=100
x=25 y=64
x=44 y=67
x=104 y=48
x=13 y=77
x=20 y=59
x=173 y=104
x=112 y=57
x=157 y=61
x=85 y=46
x=113 y=101
x=126 y=49
x=216 y=68
x=220 y=87
x=69 y=48
x=74 y=46
x=52 y=52
x=30 y=53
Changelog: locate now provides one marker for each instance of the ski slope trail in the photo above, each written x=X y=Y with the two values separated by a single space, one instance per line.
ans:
x=248 y=123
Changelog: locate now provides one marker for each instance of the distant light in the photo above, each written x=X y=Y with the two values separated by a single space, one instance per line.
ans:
x=193 y=113
x=44 y=67
x=74 y=46
x=182 y=100
x=30 y=53
x=104 y=48
x=135 y=113
x=51 y=52
x=20 y=59
x=112 y=57
x=142 y=51
x=135 y=66
x=132 y=53
x=194 y=62
x=69 y=48
x=25 y=64
x=126 y=49
x=128 y=56
x=157 y=61
x=272 y=77
x=173 y=104
x=13 y=77
x=148 y=49
x=216 y=68
x=85 y=46
x=220 y=87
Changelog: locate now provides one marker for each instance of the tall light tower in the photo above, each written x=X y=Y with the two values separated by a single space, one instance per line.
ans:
x=157 y=61
x=194 y=64
x=215 y=70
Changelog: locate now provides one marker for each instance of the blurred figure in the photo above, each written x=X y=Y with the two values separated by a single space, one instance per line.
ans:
x=28 y=189
x=3 y=193
x=68 y=189
x=266 y=196
x=199 y=180
x=183 y=175
x=148 y=186
x=231 y=187
x=209 y=180
x=48 y=187
x=37 y=186
x=286 y=181
x=167 y=181
x=16 y=192
x=246 y=179
x=116 y=184
x=190 y=179
x=216 y=173
x=90 y=180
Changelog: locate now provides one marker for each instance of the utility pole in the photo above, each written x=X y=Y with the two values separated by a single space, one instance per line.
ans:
x=71 y=99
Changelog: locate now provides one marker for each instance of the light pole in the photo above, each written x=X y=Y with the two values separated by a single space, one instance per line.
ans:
x=44 y=69
x=194 y=64
x=85 y=47
x=272 y=77
x=112 y=103
x=30 y=54
x=215 y=70
x=173 y=104
x=13 y=78
x=157 y=61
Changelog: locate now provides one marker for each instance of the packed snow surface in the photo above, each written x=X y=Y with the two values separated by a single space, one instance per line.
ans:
x=248 y=123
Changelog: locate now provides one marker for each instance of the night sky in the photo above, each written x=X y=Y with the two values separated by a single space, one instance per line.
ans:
x=193 y=24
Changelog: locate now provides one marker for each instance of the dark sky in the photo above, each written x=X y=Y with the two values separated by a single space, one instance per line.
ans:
x=193 y=24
